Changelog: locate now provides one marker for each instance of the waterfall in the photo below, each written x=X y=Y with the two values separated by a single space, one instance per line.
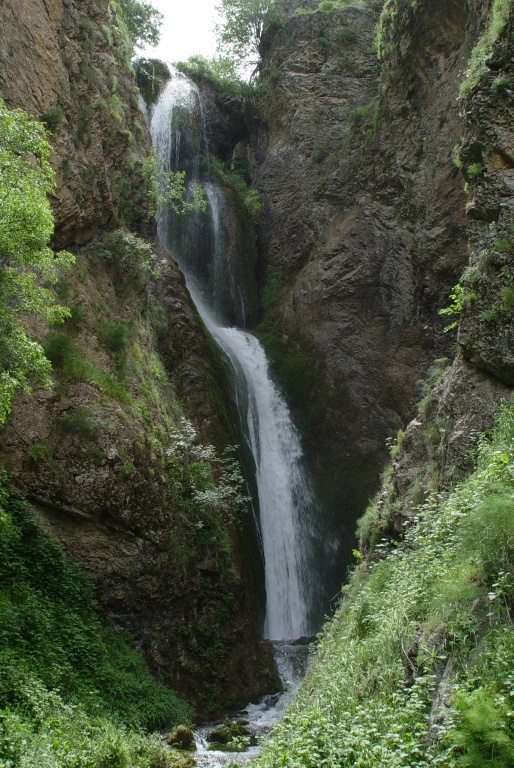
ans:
x=287 y=506
x=220 y=276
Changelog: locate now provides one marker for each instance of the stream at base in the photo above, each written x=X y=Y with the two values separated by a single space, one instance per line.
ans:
x=292 y=660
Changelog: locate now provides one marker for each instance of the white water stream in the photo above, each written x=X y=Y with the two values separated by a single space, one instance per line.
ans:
x=287 y=507
x=286 y=501
x=292 y=661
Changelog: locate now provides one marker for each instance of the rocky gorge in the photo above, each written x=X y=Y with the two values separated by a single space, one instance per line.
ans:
x=366 y=180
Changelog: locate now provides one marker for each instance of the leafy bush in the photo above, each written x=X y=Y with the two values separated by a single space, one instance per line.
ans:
x=28 y=264
x=142 y=20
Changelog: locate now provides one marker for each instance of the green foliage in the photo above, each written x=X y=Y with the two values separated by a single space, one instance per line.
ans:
x=72 y=692
x=482 y=736
x=115 y=335
x=28 y=265
x=430 y=381
x=396 y=447
x=77 y=316
x=273 y=285
x=236 y=179
x=80 y=421
x=53 y=118
x=240 y=32
x=454 y=308
x=73 y=365
x=474 y=170
x=363 y=125
x=483 y=49
x=394 y=12
x=168 y=192
x=61 y=350
x=327 y=6
x=142 y=20
x=488 y=536
x=133 y=259
x=221 y=70
x=38 y=451
x=438 y=602
x=507 y=304
x=348 y=36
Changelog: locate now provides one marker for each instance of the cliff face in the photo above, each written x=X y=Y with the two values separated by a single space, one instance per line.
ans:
x=438 y=444
x=364 y=223
x=105 y=455
x=69 y=65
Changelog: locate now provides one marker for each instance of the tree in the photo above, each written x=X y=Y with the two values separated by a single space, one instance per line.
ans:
x=241 y=31
x=28 y=267
x=142 y=20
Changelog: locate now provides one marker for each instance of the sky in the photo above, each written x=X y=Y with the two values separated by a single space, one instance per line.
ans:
x=187 y=30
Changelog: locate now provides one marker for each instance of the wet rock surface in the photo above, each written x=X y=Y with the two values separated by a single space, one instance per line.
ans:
x=364 y=219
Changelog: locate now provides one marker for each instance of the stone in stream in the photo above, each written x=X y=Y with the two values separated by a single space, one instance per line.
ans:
x=181 y=738
x=231 y=736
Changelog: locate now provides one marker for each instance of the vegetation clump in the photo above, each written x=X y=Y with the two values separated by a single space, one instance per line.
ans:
x=142 y=20
x=72 y=692
x=483 y=49
x=29 y=266
x=240 y=32
x=432 y=613
x=394 y=13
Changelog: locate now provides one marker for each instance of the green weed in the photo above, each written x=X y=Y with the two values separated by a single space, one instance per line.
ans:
x=441 y=598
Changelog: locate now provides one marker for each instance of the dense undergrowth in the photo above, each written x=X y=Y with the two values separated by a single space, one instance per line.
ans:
x=72 y=692
x=416 y=668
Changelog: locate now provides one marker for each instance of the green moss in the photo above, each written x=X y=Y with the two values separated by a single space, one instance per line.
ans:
x=394 y=15
x=474 y=170
x=293 y=365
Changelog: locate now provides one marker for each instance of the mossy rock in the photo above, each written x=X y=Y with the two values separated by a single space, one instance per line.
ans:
x=223 y=736
x=177 y=760
x=151 y=76
x=181 y=738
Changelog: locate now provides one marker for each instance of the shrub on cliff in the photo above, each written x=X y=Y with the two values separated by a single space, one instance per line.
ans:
x=240 y=32
x=27 y=265
x=142 y=20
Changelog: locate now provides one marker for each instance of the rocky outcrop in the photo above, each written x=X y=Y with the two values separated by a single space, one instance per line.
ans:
x=438 y=447
x=68 y=64
x=111 y=470
x=104 y=455
x=364 y=223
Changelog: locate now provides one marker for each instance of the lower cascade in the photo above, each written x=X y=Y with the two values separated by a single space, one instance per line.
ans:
x=256 y=720
x=287 y=505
